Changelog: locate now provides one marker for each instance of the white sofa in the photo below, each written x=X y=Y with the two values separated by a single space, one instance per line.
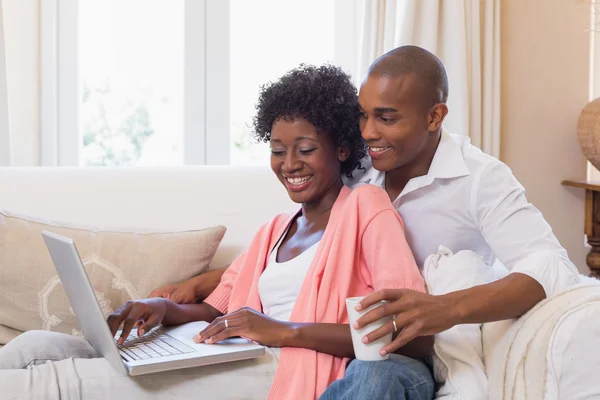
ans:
x=241 y=198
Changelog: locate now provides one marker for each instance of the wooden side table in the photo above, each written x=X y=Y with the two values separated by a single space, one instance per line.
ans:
x=592 y=221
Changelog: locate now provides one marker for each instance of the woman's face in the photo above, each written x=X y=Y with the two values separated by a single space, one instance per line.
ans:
x=306 y=162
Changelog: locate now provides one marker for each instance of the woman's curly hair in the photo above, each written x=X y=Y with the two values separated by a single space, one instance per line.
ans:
x=325 y=97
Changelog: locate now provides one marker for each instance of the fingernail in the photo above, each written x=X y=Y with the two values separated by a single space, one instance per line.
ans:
x=355 y=325
x=382 y=352
x=358 y=307
x=141 y=332
x=209 y=340
x=365 y=340
x=196 y=338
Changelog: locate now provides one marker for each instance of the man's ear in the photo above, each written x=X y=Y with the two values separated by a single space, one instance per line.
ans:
x=436 y=116
x=343 y=153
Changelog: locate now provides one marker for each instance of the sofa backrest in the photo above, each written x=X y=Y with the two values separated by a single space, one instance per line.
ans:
x=178 y=198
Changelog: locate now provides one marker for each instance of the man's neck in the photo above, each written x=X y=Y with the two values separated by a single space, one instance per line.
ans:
x=396 y=179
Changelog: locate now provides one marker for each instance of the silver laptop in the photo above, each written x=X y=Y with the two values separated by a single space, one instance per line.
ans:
x=161 y=349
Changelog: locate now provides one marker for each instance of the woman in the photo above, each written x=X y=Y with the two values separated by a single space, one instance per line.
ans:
x=288 y=289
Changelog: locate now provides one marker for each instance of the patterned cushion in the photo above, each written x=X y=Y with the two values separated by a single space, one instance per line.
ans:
x=121 y=265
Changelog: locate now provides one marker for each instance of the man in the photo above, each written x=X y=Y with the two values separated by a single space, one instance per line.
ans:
x=448 y=193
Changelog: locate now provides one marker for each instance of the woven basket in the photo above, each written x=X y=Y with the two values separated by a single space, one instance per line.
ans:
x=588 y=132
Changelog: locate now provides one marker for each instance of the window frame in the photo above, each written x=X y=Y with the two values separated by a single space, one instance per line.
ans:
x=206 y=78
x=5 y=151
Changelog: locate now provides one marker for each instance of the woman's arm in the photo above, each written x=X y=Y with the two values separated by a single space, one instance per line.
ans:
x=331 y=339
x=336 y=339
x=177 y=314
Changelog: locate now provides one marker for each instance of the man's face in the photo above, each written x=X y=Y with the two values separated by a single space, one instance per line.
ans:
x=395 y=122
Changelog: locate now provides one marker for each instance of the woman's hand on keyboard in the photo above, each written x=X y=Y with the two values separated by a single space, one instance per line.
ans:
x=249 y=324
x=143 y=314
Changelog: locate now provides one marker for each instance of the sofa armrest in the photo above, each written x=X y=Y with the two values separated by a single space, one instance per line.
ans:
x=550 y=349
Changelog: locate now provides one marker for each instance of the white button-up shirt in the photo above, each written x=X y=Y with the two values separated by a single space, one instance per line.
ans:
x=471 y=201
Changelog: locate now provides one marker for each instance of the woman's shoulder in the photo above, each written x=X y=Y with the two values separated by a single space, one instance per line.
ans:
x=368 y=188
x=366 y=201
x=370 y=196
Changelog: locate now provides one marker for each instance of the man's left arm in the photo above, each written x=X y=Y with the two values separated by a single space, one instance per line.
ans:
x=521 y=239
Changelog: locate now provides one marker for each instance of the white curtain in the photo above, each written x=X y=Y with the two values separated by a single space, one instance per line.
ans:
x=465 y=35
x=5 y=144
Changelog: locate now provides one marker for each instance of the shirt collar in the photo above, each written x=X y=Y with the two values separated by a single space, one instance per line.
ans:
x=371 y=176
x=448 y=162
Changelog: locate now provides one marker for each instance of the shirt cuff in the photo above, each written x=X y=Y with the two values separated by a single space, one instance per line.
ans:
x=555 y=272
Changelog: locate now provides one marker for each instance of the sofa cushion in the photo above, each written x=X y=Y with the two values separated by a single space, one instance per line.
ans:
x=121 y=264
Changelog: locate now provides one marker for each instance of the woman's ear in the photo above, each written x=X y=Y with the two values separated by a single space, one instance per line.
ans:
x=343 y=153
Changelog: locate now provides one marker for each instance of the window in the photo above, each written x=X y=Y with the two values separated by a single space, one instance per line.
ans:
x=131 y=82
x=173 y=82
x=265 y=43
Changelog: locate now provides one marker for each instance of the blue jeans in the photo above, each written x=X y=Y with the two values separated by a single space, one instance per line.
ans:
x=399 y=378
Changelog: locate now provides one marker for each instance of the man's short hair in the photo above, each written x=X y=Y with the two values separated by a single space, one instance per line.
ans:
x=428 y=70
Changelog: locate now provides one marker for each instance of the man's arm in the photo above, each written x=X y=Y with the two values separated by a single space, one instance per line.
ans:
x=422 y=315
x=193 y=290
x=207 y=282
x=507 y=298
x=523 y=241
x=519 y=237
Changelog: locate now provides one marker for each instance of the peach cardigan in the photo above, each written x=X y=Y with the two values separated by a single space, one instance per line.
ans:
x=363 y=249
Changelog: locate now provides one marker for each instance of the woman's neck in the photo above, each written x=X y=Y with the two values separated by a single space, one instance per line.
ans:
x=318 y=212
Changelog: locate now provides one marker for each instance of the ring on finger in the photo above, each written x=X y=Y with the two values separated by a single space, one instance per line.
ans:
x=395 y=327
x=226 y=324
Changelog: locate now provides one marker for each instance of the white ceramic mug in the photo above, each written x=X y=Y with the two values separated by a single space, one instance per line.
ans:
x=367 y=352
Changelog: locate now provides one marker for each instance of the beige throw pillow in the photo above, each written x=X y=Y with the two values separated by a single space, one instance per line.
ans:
x=121 y=266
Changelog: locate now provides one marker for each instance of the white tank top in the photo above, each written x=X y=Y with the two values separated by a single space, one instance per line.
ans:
x=280 y=283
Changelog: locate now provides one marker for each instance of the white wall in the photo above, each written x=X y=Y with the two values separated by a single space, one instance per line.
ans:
x=21 y=25
x=545 y=54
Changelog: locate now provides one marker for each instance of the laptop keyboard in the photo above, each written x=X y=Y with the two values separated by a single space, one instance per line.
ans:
x=152 y=345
